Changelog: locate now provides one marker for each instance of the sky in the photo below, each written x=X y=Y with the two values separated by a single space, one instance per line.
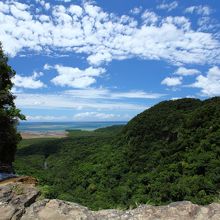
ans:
x=79 y=60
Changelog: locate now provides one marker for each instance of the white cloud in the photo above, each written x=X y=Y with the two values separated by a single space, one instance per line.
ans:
x=65 y=101
x=15 y=90
x=66 y=1
x=75 y=77
x=20 y=13
x=103 y=37
x=47 y=6
x=136 y=10
x=75 y=10
x=29 y=82
x=136 y=94
x=172 y=81
x=46 y=118
x=149 y=17
x=168 y=6
x=206 y=23
x=200 y=10
x=44 y=4
x=4 y=7
x=83 y=116
x=186 y=72
x=179 y=21
x=98 y=116
x=209 y=84
x=106 y=94
x=100 y=57
x=47 y=67
x=175 y=98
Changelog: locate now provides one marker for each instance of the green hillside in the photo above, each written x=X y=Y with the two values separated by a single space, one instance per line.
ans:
x=170 y=152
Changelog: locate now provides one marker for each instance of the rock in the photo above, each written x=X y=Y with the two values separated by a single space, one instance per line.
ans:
x=58 y=210
x=18 y=201
x=15 y=196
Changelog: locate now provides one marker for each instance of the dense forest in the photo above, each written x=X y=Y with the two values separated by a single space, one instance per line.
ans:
x=9 y=114
x=170 y=152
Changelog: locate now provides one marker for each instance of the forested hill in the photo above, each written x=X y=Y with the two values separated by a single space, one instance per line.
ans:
x=171 y=128
x=170 y=152
x=173 y=149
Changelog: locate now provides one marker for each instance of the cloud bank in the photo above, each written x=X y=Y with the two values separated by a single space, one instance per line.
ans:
x=102 y=36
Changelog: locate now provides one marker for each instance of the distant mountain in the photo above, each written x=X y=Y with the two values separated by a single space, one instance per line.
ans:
x=170 y=152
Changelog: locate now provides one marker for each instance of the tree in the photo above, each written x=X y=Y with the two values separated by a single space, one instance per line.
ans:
x=9 y=114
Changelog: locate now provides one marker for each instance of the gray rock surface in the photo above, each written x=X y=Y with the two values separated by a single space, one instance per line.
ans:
x=15 y=197
x=18 y=200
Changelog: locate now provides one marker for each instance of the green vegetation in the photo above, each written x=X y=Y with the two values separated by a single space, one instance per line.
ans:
x=170 y=152
x=8 y=113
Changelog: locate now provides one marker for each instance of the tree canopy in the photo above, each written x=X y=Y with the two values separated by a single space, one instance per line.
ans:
x=9 y=114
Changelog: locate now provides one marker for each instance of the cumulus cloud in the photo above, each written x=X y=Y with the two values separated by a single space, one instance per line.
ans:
x=28 y=82
x=209 y=84
x=168 y=6
x=172 y=81
x=44 y=4
x=103 y=37
x=149 y=17
x=200 y=10
x=186 y=72
x=20 y=12
x=75 y=77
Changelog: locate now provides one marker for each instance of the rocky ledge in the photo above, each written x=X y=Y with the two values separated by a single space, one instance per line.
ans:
x=19 y=199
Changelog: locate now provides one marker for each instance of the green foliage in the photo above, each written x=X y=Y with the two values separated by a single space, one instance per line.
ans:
x=9 y=114
x=170 y=152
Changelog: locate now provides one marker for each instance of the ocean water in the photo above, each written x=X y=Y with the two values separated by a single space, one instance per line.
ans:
x=6 y=176
x=62 y=126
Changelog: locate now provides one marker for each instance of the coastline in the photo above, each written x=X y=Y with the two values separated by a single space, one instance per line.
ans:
x=47 y=134
x=33 y=130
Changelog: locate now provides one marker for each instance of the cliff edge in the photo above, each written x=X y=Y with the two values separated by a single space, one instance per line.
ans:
x=19 y=199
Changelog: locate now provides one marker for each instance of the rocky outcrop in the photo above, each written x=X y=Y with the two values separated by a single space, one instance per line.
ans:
x=18 y=200
x=16 y=195
x=57 y=210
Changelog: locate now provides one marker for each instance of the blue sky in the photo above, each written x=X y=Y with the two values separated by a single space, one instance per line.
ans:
x=109 y=60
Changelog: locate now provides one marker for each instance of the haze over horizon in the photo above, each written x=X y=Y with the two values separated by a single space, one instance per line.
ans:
x=108 y=61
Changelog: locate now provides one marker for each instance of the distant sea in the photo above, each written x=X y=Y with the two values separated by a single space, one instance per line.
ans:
x=63 y=126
